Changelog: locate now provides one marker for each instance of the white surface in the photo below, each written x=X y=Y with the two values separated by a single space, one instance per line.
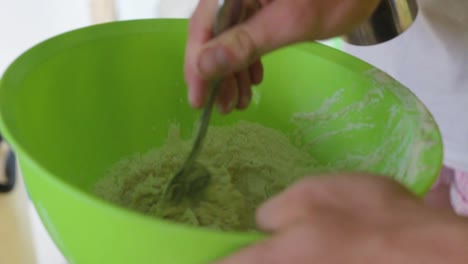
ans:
x=45 y=250
x=131 y=9
x=24 y=23
x=176 y=8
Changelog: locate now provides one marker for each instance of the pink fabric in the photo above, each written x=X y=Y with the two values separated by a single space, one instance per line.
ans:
x=459 y=193
x=458 y=183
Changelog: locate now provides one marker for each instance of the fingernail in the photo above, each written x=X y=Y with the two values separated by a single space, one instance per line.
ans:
x=193 y=98
x=213 y=61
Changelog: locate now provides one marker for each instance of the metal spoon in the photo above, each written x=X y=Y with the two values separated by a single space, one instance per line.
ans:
x=193 y=177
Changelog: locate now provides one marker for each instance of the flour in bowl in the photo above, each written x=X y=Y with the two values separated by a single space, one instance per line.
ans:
x=248 y=163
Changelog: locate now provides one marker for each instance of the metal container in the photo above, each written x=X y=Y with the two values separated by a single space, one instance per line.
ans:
x=390 y=19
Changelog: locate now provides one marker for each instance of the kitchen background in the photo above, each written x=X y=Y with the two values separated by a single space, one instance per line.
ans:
x=24 y=23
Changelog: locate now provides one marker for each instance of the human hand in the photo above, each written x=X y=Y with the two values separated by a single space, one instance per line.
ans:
x=235 y=55
x=354 y=219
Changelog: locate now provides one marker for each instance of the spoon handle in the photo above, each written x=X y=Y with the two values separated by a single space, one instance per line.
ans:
x=203 y=125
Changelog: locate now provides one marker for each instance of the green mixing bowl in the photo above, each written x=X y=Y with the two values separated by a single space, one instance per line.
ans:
x=77 y=103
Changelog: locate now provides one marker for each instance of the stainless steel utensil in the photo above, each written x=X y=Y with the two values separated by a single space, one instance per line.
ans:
x=390 y=19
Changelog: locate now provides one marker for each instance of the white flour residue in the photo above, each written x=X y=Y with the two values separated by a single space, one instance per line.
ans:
x=325 y=115
x=408 y=142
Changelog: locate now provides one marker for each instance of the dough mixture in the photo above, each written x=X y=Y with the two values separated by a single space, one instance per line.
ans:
x=248 y=163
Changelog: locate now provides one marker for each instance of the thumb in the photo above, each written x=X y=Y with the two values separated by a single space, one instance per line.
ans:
x=311 y=197
x=272 y=27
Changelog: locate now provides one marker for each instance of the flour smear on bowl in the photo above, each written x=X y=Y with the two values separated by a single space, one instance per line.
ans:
x=408 y=143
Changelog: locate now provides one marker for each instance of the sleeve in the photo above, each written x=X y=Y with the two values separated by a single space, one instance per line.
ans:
x=459 y=193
